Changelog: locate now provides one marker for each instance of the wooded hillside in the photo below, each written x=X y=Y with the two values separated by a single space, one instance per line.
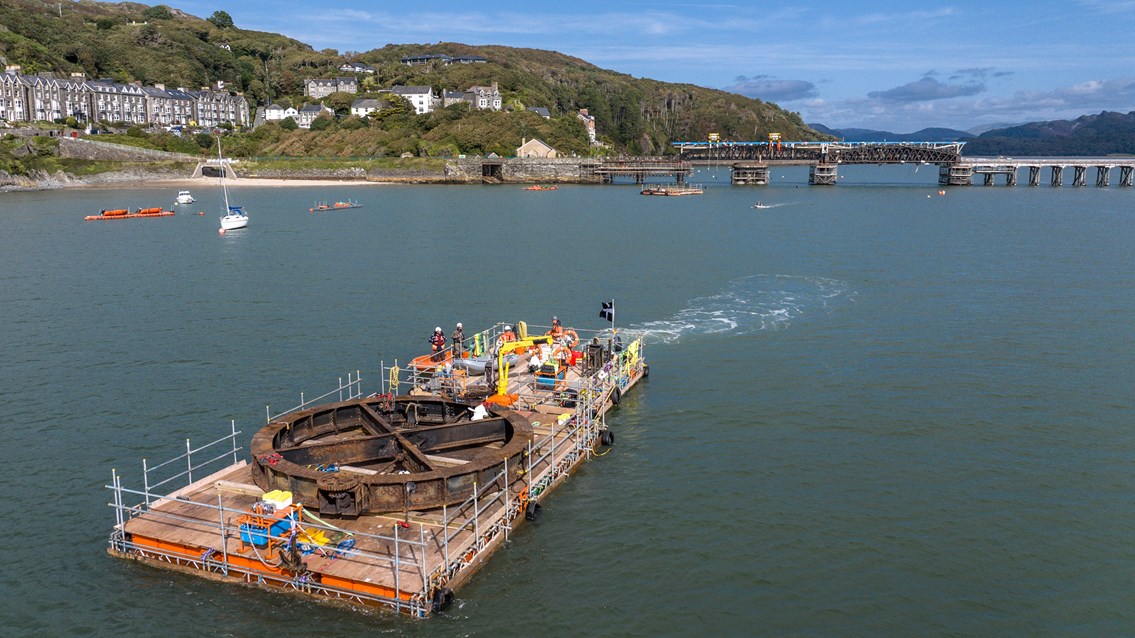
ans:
x=133 y=42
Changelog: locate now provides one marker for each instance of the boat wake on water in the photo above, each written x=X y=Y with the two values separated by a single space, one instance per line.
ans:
x=746 y=306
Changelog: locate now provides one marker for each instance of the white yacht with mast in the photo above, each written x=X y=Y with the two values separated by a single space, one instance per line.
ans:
x=234 y=216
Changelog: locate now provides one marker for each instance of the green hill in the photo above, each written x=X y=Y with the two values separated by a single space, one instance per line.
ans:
x=133 y=42
x=1107 y=133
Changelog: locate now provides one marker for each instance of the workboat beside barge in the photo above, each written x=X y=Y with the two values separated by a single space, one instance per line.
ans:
x=393 y=499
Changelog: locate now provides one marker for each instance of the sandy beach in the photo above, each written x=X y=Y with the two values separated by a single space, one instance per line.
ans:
x=189 y=183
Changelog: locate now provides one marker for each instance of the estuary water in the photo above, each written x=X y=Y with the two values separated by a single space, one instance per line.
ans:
x=874 y=410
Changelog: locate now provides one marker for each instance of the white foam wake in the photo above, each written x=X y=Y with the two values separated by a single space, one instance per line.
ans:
x=746 y=306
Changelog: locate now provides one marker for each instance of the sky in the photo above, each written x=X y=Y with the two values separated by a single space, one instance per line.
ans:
x=893 y=66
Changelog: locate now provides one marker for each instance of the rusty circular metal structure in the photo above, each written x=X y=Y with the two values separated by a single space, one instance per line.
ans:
x=388 y=454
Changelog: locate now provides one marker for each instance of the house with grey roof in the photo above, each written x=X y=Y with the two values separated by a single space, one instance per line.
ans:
x=320 y=88
x=484 y=97
x=420 y=96
x=541 y=111
x=416 y=60
x=277 y=112
x=309 y=112
x=356 y=67
x=45 y=97
x=365 y=106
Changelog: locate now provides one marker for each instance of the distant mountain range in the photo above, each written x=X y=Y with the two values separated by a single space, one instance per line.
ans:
x=868 y=135
x=1090 y=135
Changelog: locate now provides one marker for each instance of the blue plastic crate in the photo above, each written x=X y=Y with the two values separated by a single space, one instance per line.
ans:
x=253 y=535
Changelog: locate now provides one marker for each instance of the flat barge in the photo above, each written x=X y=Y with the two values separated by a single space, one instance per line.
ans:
x=122 y=213
x=665 y=190
x=392 y=499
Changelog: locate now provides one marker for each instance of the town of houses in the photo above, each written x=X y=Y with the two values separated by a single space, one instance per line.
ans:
x=421 y=98
x=45 y=97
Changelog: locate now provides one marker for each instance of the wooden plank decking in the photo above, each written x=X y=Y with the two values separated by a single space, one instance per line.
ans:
x=393 y=562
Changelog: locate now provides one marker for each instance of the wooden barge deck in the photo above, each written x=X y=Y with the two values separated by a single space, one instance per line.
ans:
x=410 y=561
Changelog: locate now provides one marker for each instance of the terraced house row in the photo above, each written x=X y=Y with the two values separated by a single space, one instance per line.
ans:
x=47 y=98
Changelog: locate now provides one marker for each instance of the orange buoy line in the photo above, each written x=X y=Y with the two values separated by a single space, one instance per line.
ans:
x=122 y=213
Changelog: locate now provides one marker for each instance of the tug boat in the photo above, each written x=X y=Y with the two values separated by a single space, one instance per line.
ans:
x=122 y=213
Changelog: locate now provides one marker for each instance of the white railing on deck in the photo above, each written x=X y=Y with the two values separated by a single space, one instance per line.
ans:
x=573 y=439
x=352 y=389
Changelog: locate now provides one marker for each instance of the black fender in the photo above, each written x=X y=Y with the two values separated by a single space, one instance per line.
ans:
x=441 y=599
x=532 y=511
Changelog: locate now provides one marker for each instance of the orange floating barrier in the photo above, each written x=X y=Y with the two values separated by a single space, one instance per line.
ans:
x=122 y=213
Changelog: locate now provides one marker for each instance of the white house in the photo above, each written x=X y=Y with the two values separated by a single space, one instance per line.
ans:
x=421 y=97
x=275 y=113
x=356 y=67
x=589 y=122
x=365 y=106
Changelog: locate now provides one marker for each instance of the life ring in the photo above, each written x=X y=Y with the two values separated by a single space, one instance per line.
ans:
x=441 y=599
x=616 y=395
x=572 y=338
x=563 y=354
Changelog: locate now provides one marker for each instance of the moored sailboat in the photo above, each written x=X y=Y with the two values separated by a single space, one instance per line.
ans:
x=234 y=216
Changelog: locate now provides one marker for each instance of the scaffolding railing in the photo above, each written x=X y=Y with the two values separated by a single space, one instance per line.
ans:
x=175 y=464
x=487 y=516
x=420 y=373
x=223 y=521
x=352 y=389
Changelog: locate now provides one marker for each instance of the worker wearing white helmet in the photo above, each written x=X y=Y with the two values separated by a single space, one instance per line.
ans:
x=508 y=334
x=437 y=342
x=458 y=339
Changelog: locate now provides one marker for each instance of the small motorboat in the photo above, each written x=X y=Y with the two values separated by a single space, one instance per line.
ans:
x=183 y=198
x=760 y=205
x=671 y=191
x=324 y=206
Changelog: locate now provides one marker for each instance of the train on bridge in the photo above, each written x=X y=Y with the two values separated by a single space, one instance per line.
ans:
x=750 y=161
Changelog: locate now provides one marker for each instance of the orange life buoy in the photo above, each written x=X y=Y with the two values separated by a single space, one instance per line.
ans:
x=563 y=354
x=572 y=338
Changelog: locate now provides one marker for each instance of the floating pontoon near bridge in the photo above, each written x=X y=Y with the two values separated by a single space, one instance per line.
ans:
x=750 y=162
